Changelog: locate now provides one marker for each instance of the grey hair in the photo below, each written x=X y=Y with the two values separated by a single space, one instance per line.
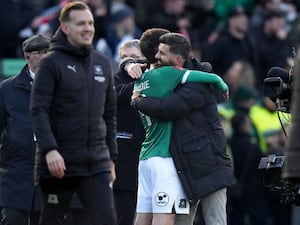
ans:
x=129 y=44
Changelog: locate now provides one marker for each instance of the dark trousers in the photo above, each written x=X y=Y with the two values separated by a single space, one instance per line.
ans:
x=10 y=216
x=77 y=217
x=257 y=213
x=126 y=206
x=95 y=194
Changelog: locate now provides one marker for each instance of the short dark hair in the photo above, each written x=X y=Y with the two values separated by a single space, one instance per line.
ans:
x=178 y=43
x=67 y=9
x=149 y=43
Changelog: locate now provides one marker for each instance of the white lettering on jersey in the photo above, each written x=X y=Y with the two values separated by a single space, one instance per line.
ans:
x=142 y=86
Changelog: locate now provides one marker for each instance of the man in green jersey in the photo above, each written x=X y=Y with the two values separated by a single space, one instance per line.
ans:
x=161 y=82
x=160 y=193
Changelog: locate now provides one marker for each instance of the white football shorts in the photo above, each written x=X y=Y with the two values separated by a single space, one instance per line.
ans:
x=159 y=188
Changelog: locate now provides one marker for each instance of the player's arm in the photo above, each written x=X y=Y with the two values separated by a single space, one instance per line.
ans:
x=134 y=68
x=204 y=77
x=186 y=98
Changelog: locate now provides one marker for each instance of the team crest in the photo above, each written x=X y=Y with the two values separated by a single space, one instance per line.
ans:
x=99 y=79
x=52 y=199
x=98 y=70
x=182 y=203
x=161 y=199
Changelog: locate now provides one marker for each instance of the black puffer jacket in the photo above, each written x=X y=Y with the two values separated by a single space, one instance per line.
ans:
x=73 y=108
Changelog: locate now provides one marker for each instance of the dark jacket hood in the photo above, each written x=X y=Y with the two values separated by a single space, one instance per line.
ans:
x=60 y=42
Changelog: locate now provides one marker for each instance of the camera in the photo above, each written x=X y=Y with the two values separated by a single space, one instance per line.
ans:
x=288 y=192
x=278 y=87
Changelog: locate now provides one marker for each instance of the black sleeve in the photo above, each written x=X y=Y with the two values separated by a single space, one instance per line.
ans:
x=124 y=62
x=42 y=94
x=124 y=87
x=186 y=98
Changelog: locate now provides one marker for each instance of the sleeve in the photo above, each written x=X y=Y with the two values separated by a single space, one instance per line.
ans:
x=41 y=98
x=125 y=62
x=186 y=98
x=110 y=116
x=199 y=76
x=124 y=89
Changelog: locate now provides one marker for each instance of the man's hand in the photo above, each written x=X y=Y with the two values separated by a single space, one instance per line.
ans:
x=56 y=164
x=135 y=94
x=135 y=70
x=113 y=172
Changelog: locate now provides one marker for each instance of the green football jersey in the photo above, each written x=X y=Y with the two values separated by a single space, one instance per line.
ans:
x=161 y=82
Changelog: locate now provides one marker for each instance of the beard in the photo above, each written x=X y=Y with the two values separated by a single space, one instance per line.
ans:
x=164 y=63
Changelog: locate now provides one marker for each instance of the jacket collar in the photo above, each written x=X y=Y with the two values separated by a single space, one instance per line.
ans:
x=23 y=80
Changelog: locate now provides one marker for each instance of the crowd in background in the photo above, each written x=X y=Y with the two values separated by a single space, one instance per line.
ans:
x=242 y=39
x=262 y=29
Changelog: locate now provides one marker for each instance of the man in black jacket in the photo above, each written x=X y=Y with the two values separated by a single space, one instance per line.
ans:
x=19 y=198
x=198 y=145
x=130 y=135
x=73 y=111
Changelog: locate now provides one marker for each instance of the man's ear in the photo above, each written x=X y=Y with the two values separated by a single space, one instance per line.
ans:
x=26 y=55
x=179 y=60
x=64 y=28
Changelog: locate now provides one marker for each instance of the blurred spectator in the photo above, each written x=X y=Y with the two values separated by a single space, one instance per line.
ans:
x=143 y=9
x=47 y=21
x=269 y=130
x=15 y=15
x=121 y=29
x=235 y=43
x=41 y=5
x=294 y=32
x=265 y=132
x=246 y=196
x=272 y=46
x=101 y=14
x=239 y=73
x=222 y=10
x=242 y=99
x=287 y=8
x=173 y=16
x=260 y=10
x=201 y=23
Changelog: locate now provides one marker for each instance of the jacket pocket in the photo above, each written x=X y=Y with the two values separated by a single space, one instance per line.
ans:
x=197 y=152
